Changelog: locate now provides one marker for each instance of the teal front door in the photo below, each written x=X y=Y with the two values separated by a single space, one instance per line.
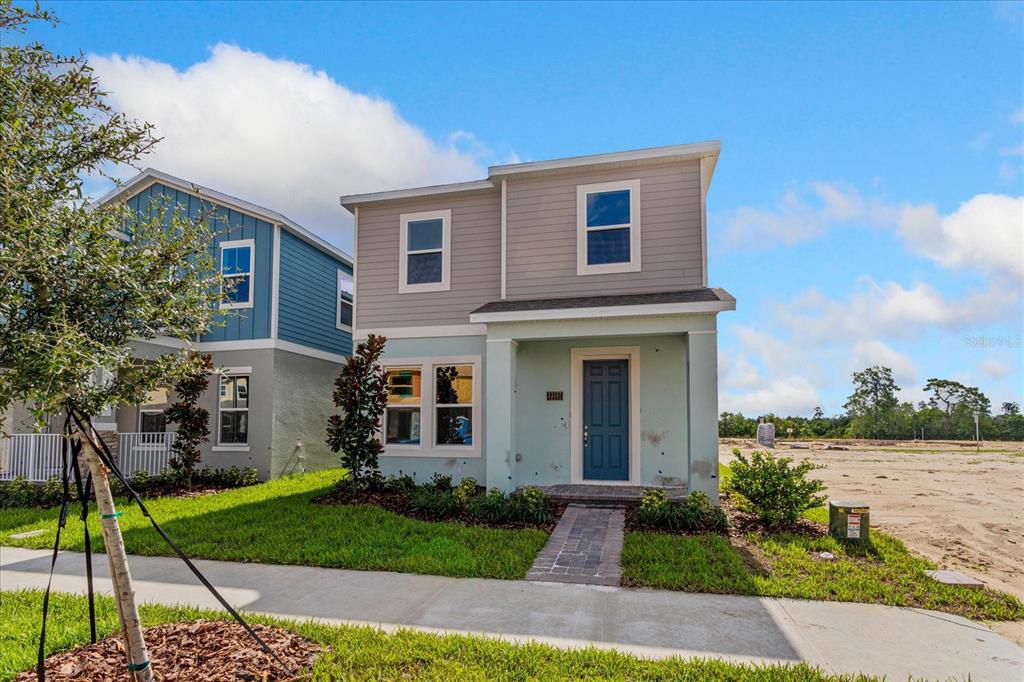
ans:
x=606 y=420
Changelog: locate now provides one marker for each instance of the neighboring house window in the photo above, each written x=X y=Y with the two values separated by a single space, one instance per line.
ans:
x=607 y=228
x=425 y=252
x=152 y=421
x=236 y=259
x=234 y=410
x=151 y=412
x=346 y=296
x=403 y=415
x=453 y=404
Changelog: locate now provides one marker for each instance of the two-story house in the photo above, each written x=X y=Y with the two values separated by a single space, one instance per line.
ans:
x=550 y=324
x=284 y=332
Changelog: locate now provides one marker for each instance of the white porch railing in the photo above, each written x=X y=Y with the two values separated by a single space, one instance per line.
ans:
x=37 y=456
x=148 y=452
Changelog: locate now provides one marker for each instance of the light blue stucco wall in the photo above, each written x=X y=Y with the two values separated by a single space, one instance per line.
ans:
x=227 y=224
x=422 y=467
x=542 y=426
x=308 y=290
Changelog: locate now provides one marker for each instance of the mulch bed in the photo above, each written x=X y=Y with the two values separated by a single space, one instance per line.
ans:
x=199 y=651
x=399 y=504
x=741 y=524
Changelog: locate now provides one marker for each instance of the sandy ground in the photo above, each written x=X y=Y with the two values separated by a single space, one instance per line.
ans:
x=961 y=508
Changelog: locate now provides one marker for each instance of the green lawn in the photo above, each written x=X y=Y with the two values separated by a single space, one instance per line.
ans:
x=782 y=565
x=275 y=523
x=363 y=653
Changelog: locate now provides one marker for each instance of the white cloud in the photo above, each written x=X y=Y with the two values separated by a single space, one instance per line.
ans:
x=953 y=241
x=280 y=134
x=1017 y=117
x=986 y=233
x=994 y=369
x=892 y=310
x=870 y=352
x=786 y=396
x=802 y=214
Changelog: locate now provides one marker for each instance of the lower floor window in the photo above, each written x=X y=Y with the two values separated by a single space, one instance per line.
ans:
x=234 y=410
x=431 y=405
x=152 y=421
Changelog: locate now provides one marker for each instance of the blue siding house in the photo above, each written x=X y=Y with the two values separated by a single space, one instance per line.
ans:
x=284 y=330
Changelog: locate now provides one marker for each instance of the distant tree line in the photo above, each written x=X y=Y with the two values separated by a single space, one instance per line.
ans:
x=874 y=411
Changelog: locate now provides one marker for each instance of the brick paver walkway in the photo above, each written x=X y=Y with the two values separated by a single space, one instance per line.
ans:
x=585 y=547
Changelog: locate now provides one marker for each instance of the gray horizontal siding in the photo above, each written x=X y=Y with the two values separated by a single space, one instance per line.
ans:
x=541 y=229
x=475 y=262
x=307 y=297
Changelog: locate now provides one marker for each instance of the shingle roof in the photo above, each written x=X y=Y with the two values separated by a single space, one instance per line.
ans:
x=706 y=295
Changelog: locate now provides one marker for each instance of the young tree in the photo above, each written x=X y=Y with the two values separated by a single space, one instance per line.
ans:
x=361 y=392
x=72 y=293
x=193 y=421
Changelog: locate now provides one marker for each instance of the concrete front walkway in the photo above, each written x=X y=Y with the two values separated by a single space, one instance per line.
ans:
x=842 y=638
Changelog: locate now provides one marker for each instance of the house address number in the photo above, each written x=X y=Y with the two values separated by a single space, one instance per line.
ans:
x=555 y=395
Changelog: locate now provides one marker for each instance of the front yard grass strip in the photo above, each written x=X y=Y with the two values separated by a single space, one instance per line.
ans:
x=276 y=523
x=364 y=653
x=783 y=565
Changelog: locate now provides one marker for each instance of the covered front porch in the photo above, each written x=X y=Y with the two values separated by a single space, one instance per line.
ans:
x=595 y=409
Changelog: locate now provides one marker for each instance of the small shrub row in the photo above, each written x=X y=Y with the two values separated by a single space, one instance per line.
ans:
x=21 y=492
x=773 y=488
x=695 y=514
x=439 y=500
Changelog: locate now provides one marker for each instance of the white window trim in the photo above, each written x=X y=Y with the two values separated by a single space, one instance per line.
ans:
x=337 y=312
x=143 y=411
x=446 y=252
x=633 y=265
x=233 y=372
x=428 y=409
x=234 y=244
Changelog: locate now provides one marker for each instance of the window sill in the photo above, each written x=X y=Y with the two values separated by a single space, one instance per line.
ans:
x=465 y=452
x=423 y=288
x=235 y=306
x=607 y=269
x=230 y=448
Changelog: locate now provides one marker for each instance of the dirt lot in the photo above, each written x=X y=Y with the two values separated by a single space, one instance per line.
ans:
x=960 y=508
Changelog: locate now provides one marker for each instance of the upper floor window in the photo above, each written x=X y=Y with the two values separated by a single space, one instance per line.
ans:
x=346 y=297
x=236 y=258
x=607 y=228
x=425 y=258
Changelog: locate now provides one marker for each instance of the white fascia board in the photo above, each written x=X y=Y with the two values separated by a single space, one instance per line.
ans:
x=152 y=175
x=350 y=201
x=423 y=332
x=603 y=312
x=694 y=150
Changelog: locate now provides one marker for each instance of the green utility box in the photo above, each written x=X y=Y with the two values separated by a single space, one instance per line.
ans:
x=848 y=520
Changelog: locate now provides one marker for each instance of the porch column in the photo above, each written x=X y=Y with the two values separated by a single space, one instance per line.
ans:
x=500 y=409
x=702 y=402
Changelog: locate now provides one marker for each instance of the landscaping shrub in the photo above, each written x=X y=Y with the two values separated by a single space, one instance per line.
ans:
x=531 y=506
x=441 y=481
x=466 y=490
x=774 y=489
x=431 y=502
x=23 y=493
x=695 y=514
x=19 y=492
x=403 y=484
x=491 y=508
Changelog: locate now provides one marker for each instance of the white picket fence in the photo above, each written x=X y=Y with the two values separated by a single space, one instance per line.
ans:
x=37 y=456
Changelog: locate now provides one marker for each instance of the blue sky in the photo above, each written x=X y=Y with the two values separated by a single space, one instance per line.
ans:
x=866 y=206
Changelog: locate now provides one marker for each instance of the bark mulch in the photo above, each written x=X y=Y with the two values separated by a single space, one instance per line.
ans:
x=199 y=651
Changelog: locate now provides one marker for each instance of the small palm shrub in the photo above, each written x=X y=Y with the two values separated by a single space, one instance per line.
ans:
x=433 y=503
x=774 y=489
x=491 y=508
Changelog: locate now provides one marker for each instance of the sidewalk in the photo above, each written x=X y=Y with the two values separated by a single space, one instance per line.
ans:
x=842 y=638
